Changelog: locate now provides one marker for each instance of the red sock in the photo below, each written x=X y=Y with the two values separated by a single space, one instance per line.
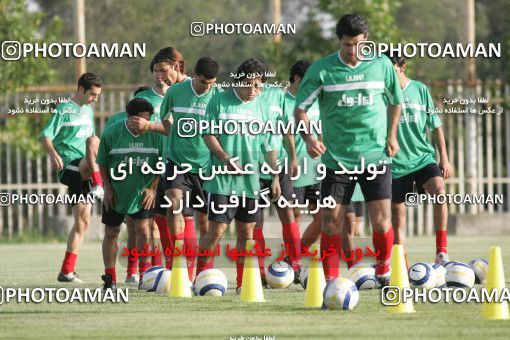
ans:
x=131 y=267
x=441 y=241
x=331 y=264
x=190 y=242
x=95 y=177
x=156 y=259
x=204 y=265
x=258 y=237
x=383 y=243
x=292 y=238
x=69 y=263
x=166 y=238
x=239 y=277
x=111 y=271
x=143 y=266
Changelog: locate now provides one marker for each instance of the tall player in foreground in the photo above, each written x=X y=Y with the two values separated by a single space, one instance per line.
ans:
x=70 y=141
x=416 y=161
x=356 y=135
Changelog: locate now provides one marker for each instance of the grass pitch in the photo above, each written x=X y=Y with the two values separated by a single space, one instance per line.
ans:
x=148 y=315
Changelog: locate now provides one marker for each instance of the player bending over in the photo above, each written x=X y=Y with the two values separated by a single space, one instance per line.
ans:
x=70 y=141
x=128 y=191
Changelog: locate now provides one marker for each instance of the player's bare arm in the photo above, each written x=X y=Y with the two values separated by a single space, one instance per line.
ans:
x=314 y=147
x=56 y=160
x=394 y=112
x=141 y=125
x=214 y=145
x=443 y=163
x=109 y=193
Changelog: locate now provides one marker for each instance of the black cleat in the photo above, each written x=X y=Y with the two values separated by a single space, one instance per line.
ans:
x=108 y=282
x=71 y=277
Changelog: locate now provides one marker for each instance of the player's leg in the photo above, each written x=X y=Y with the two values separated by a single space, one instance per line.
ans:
x=313 y=231
x=132 y=276
x=340 y=188
x=244 y=233
x=290 y=228
x=174 y=216
x=400 y=187
x=81 y=214
x=434 y=185
x=162 y=223
x=143 y=221
x=258 y=231
x=112 y=221
x=347 y=235
x=155 y=244
x=378 y=194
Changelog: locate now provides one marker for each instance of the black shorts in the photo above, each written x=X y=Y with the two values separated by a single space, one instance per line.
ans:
x=356 y=208
x=190 y=184
x=112 y=218
x=404 y=185
x=309 y=192
x=341 y=187
x=287 y=191
x=75 y=184
x=160 y=193
x=240 y=213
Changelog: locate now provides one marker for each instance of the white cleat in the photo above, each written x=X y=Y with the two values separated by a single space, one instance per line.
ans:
x=442 y=258
x=132 y=280
x=97 y=192
x=71 y=277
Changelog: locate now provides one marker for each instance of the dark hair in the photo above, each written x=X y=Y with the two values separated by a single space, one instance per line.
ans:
x=351 y=25
x=207 y=67
x=87 y=80
x=137 y=105
x=395 y=59
x=140 y=89
x=299 y=69
x=169 y=55
x=252 y=66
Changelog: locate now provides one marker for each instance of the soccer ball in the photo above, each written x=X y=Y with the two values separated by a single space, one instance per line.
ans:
x=460 y=275
x=279 y=274
x=151 y=280
x=480 y=268
x=363 y=277
x=422 y=275
x=440 y=272
x=340 y=293
x=211 y=282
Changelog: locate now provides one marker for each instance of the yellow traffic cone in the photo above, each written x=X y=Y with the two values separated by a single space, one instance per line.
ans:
x=315 y=283
x=179 y=282
x=400 y=280
x=495 y=280
x=251 y=287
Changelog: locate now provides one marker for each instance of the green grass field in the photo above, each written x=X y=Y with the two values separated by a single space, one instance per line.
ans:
x=148 y=315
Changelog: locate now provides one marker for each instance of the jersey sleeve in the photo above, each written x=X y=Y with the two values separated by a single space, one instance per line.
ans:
x=392 y=87
x=102 y=152
x=53 y=126
x=167 y=105
x=310 y=88
x=433 y=120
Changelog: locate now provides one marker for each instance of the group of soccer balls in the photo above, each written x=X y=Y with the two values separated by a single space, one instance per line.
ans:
x=340 y=293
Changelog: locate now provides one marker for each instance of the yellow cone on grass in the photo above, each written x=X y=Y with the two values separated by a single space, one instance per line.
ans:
x=179 y=282
x=495 y=280
x=400 y=280
x=251 y=287
x=315 y=283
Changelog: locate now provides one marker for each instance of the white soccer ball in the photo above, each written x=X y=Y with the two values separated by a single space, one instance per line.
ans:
x=422 y=275
x=151 y=278
x=363 y=277
x=279 y=274
x=480 y=268
x=211 y=282
x=163 y=286
x=340 y=293
x=460 y=275
x=440 y=272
